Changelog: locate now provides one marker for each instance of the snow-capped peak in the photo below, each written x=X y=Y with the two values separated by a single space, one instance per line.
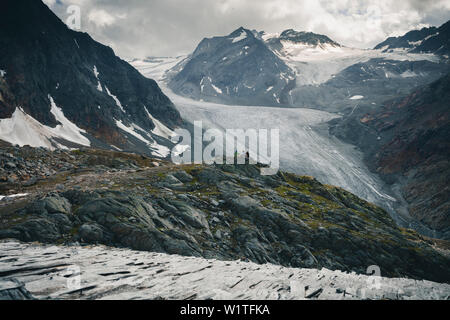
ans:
x=238 y=35
x=308 y=38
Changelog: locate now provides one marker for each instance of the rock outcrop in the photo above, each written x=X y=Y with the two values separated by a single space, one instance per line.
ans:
x=406 y=141
x=235 y=69
x=59 y=87
x=103 y=273
x=224 y=212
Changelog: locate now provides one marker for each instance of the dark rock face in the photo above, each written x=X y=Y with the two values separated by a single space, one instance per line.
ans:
x=224 y=212
x=309 y=38
x=13 y=289
x=42 y=58
x=429 y=40
x=298 y=37
x=234 y=69
x=407 y=142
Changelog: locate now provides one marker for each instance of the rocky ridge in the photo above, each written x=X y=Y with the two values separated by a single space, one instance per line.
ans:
x=406 y=142
x=61 y=88
x=431 y=40
x=234 y=69
x=223 y=212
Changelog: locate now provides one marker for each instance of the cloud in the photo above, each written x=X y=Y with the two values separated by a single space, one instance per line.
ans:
x=136 y=28
x=101 y=18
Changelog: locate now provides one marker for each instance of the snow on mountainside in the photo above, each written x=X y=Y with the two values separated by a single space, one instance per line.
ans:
x=234 y=69
x=61 y=89
x=317 y=59
x=322 y=73
x=305 y=145
x=407 y=142
x=328 y=75
x=109 y=273
x=426 y=40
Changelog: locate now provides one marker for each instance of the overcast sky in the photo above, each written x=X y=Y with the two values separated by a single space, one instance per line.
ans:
x=139 y=28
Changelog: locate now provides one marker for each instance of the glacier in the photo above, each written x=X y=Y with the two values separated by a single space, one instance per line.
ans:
x=305 y=147
x=314 y=65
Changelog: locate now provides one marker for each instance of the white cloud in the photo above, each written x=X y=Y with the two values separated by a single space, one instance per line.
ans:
x=137 y=28
x=50 y=3
x=101 y=18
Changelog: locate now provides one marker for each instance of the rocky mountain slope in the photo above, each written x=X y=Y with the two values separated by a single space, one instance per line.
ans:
x=110 y=274
x=234 y=69
x=222 y=212
x=430 y=40
x=407 y=142
x=299 y=37
x=60 y=88
x=322 y=73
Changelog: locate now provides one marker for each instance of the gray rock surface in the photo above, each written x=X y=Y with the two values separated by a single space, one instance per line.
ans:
x=225 y=212
x=97 y=272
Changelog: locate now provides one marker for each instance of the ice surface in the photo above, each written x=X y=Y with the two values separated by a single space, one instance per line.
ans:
x=315 y=65
x=305 y=148
x=157 y=67
x=98 y=272
x=305 y=145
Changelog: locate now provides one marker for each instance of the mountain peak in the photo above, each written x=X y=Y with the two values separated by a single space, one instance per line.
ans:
x=306 y=37
x=57 y=76
x=426 y=40
x=240 y=32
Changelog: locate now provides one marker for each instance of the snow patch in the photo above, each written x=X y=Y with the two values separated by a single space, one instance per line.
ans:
x=408 y=74
x=19 y=195
x=159 y=150
x=67 y=130
x=115 y=99
x=179 y=149
x=218 y=90
x=22 y=129
x=356 y=97
x=131 y=130
x=2 y=73
x=241 y=37
x=96 y=73
x=157 y=67
x=99 y=85
x=160 y=129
